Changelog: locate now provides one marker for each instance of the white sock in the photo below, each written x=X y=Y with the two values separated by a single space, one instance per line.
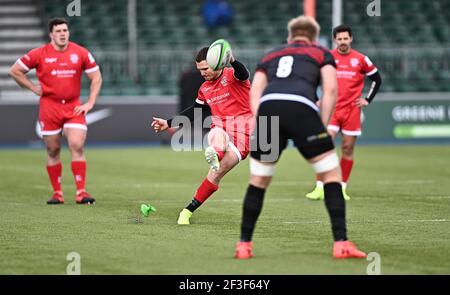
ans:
x=319 y=184
x=344 y=185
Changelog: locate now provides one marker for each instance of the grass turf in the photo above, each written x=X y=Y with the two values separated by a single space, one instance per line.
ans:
x=400 y=208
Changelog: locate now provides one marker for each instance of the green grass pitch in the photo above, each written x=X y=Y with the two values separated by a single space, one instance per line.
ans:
x=400 y=208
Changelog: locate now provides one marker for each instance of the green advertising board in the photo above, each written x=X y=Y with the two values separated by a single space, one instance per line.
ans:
x=418 y=116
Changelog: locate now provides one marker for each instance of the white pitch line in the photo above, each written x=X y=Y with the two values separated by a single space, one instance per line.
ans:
x=370 y=221
x=412 y=198
x=38 y=186
x=304 y=222
x=222 y=200
x=437 y=197
x=276 y=183
x=268 y=200
x=408 y=181
x=425 y=220
x=147 y=185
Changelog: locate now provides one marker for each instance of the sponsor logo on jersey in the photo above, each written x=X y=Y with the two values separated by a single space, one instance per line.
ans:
x=354 y=62
x=63 y=73
x=346 y=74
x=50 y=60
x=74 y=58
x=206 y=89
x=216 y=99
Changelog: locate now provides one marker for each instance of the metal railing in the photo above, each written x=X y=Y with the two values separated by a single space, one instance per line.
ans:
x=162 y=68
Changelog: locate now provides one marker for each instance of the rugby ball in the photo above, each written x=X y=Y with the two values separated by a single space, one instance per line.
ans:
x=219 y=54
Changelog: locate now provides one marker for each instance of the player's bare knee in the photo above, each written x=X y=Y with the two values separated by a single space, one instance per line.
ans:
x=215 y=177
x=333 y=175
x=76 y=145
x=53 y=150
x=260 y=181
x=76 y=149
x=218 y=138
x=347 y=150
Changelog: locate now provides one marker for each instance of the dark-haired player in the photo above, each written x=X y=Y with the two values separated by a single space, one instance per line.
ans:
x=226 y=93
x=59 y=66
x=351 y=67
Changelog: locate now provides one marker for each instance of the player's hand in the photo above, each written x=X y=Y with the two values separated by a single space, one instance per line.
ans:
x=82 y=109
x=159 y=124
x=361 y=102
x=37 y=90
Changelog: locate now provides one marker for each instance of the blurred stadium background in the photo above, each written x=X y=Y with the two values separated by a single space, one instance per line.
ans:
x=144 y=46
x=400 y=206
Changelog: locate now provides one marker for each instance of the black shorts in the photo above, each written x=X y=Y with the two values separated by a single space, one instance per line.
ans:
x=296 y=121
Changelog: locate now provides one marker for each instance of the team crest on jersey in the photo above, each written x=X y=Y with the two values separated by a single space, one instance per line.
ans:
x=354 y=62
x=224 y=81
x=74 y=58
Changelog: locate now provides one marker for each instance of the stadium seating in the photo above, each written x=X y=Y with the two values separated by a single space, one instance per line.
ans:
x=20 y=30
x=177 y=26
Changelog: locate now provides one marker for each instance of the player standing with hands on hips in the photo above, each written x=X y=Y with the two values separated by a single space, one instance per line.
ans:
x=226 y=92
x=59 y=66
x=352 y=67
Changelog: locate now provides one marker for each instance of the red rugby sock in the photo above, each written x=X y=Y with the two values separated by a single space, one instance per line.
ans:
x=205 y=190
x=79 y=173
x=346 y=169
x=54 y=173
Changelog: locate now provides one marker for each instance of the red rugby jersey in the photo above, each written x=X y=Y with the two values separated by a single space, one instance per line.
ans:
x=351 y=70
x=59 y=73
x=229 y=100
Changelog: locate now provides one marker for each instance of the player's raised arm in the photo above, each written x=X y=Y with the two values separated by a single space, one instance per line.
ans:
x=240 y=70
x=18 y=73
x=329 y=95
